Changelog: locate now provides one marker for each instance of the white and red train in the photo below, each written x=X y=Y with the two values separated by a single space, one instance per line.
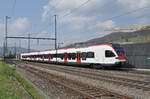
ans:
x=106 y=54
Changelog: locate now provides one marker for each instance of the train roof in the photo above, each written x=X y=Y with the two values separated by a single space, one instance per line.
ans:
x=104 y=43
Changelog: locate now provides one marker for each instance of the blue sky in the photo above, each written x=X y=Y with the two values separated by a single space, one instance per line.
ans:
x=76 y=23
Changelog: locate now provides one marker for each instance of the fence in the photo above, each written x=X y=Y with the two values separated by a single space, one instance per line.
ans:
x=138 y=55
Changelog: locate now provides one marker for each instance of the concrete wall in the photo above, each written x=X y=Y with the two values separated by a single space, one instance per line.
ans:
x=138 y=54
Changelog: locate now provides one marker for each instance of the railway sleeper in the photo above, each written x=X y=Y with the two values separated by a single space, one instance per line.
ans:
x=107 y=92
x=95 y=93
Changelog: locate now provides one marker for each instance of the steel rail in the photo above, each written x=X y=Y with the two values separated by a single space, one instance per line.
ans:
x=80 y=84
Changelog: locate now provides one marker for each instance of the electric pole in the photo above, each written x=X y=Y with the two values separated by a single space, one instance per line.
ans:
x=6 y=48
x=29 y=38
x=29 y=43
x=20 y=47
x=56 y=36
x=59 y=44
x=15 y=50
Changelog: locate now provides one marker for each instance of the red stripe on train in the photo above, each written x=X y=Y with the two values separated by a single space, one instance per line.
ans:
x=122 y=57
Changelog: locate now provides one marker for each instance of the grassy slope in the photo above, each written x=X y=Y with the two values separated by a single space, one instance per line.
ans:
x=135 y=39
x=13 y=86
x=119 y=37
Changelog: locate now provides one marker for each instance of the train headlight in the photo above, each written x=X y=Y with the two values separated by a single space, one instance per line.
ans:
x=117 y=58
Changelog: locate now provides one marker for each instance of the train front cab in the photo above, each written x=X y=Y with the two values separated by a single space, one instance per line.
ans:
x=121 y=56
x=114 y=57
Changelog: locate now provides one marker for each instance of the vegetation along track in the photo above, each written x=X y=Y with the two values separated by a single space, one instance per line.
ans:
x=85 y=90
x=137 y=84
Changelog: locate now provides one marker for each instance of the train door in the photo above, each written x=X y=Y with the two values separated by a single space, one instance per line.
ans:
x=49 y=57
x=65 y=57
x=78 y=57
x=43 y=58
x=31 y=58
x=34 y=57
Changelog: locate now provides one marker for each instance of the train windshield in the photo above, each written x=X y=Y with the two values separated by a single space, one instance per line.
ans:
x=119 y=49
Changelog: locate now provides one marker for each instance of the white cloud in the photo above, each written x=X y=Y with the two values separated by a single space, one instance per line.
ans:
x=81 y=18
x=142 y=22
x=19 y=26
x=134 y=4
x=76 y=22
x=82 y=22
x=15 y=28
x=91 y=19
x=65 y=6
x=46 y=10
x=108 y=24
x=102 y=25
x=45 y=34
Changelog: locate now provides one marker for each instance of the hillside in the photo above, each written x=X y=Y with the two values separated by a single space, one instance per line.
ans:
x=119 y=37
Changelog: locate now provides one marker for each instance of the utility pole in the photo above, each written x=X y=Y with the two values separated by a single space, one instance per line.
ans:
x=56 y=36
x=29 y=38
x=6 y=48
x=15 y=50
x=29 y=43
x=20 y=47
x=59 y=44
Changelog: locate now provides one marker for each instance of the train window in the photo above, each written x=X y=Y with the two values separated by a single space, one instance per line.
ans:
x=32 y=56
x=90 y=55
x=73 y=56
x=69 y=56
x=109 y=53
x=120 y=51
x=52 y=55
x=46 y=56
x=84 y=54
x=40 y=56
x=57 y=55
x=62 y=56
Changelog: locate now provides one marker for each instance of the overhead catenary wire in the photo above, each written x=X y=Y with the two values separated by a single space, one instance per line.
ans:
x=73 y=10
x=53 y=7
x=129 y=12
x=50 y=24
x=117 y=16
x=120 y=15
x=124 y=14
x=86 y=2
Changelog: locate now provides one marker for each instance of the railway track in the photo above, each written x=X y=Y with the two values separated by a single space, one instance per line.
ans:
x=82 y=89
x=137 y=84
